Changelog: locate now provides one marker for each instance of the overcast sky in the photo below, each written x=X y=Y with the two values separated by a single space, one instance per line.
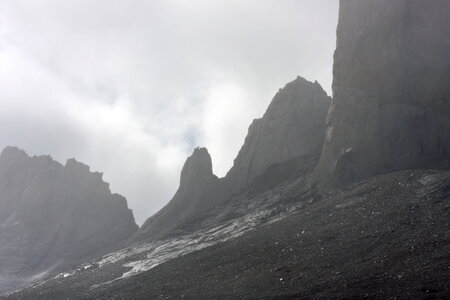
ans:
x=130 y=87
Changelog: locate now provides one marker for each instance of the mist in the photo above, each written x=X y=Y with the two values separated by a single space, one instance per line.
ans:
x=224 y=149
x=131 y=88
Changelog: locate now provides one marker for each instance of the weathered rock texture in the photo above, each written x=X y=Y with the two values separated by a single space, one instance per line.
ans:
x=196 y=194
x=54 y=216
x=386 y=238
x=293 y=125
x=391 y=89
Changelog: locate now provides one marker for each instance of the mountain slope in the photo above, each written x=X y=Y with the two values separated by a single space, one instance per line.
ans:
x=292 y=126
x=281 y=226
x=196 y=194
x=383 y=238
x=53 y=217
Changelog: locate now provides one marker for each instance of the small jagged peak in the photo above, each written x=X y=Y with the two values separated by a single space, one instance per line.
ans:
x=98 y=175
x=76 y=167
x=294 y=94
x=73 y=164
x=301 y=83
x=48 y=159
x=13 y=152
x=197 y=167
x=300 y=78
x=300 y=88
x=293 y=125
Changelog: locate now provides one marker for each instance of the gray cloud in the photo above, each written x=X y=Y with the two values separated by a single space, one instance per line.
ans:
x=130 y=87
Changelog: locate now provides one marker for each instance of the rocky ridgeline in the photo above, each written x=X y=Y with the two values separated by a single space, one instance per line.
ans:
x=391 y=111
x=293 y=126
x=391 y=90
x=196 y=194
x=54 y=216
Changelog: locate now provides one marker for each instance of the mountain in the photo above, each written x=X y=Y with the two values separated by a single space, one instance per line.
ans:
x=194 y=196
x=53 y=217
x=391 y=93
x=383 y=238
x=292 y=127
x=362 y=215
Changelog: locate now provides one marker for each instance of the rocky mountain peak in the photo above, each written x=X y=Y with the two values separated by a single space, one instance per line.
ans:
x=196 y=194
x=53 y=216
x=81 y=171
x=293 y=125
x=73 y=164
x=11 y=153
x=197 y=167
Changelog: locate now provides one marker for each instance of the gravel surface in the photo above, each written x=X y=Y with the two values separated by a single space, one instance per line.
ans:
x=386 y=238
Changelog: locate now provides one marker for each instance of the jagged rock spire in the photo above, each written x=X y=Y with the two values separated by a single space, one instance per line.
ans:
x=293 y=125
x=196 y=194
x=196 y=168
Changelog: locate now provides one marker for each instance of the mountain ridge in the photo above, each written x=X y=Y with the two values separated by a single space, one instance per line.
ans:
x=272 y=139
x=293 y=125
x=53 y=216
x=365 y=215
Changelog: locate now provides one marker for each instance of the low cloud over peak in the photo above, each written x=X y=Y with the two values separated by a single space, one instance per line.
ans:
x=131 y=87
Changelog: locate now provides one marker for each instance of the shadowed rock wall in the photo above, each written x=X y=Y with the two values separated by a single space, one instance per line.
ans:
x=391 y=89
x=54 y=216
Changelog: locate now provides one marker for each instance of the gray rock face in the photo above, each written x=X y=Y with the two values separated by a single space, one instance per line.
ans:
x=293 y=125
x=54 y=216
x=196 y=194
x=391 y=107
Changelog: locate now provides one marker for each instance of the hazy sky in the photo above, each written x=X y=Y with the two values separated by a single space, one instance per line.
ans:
x=130 y=87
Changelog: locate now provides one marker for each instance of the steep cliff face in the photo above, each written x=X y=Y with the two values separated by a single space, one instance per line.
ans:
x=391 y=89
x=53 y=216
x=293 y=125
x=196 y=194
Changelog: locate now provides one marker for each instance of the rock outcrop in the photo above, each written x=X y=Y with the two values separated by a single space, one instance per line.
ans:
x=196 y=194
x=386 y=237
x=293 y=126
x=391 y=90
x=54 y=216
